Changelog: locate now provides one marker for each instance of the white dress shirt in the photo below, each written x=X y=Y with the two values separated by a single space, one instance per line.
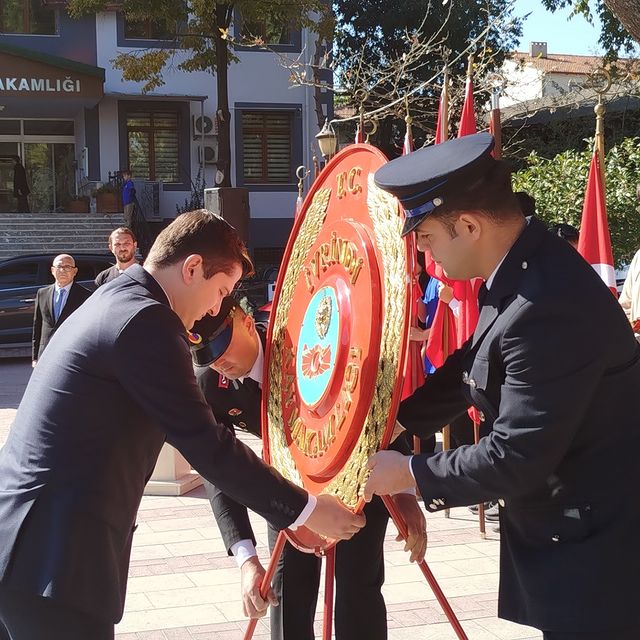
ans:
x=245 y=549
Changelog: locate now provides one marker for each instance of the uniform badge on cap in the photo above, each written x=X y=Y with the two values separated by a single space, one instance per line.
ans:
x=235 y=412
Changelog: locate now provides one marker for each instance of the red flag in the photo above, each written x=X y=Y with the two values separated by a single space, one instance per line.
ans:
x=443 y=110
x=594 y=243
x=467 y=124
x=468 y=290
x=414 y=368
x=359 y=135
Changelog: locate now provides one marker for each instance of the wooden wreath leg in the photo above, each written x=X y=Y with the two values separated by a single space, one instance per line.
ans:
x=431 y=581
x=483 y=530
x=329 y=581
x=266 y=581
x=446 y=445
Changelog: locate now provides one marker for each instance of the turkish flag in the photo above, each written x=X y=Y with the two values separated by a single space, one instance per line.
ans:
x=594 y=243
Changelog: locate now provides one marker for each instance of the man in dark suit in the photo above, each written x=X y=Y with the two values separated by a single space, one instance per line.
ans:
x=123 y=245
x=554 y=369
x=228 y=351
x=115 y=382
x=21 y=189
x=55 y=303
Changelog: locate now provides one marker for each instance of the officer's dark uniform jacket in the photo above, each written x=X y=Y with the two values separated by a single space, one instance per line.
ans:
x=236 y=405
x=554 y=368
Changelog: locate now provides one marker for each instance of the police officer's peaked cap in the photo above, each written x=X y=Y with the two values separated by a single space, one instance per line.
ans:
x=210 y=336
x=426 y=178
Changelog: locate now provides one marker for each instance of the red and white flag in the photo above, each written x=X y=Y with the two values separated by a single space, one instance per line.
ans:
x=594 y=243
x=414 y=367
x=359 y=135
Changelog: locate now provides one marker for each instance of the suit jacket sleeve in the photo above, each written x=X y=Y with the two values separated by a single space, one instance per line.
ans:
x=547 y=374
x=37 y=324
x=231 y=517
x=151 y=358
x=438 y=401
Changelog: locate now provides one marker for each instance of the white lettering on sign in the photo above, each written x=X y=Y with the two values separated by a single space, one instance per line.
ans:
x=67 y=85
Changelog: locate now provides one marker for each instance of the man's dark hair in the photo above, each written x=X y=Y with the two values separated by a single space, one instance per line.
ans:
x=527 y=203
x=125 y=231
x=492 y=196
x=205 y=234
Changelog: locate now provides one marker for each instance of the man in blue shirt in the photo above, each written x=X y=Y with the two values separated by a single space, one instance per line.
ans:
x=128 y=197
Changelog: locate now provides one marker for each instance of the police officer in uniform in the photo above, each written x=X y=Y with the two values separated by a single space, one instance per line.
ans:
x=228 y=354
x=553 y=367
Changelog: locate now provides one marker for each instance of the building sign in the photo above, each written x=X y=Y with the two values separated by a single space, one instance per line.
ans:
x=22 y=77
x=66 y=85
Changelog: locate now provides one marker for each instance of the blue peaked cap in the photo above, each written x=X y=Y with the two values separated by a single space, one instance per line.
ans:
x=424 y=179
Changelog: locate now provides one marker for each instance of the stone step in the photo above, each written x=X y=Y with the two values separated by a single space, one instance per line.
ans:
x=55 y=233
x=32 y=217
x=6 y=236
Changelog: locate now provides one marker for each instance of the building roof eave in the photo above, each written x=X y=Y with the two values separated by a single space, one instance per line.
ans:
x=55 y=61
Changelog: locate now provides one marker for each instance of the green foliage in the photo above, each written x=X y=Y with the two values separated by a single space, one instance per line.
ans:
x=613 y=36
x=196 y=198
x=558 y=185
x=375 y=35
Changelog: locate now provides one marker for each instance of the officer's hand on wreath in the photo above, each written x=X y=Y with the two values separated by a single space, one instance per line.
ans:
x=332 y=519
x=251 y=575
x=413 y=515
x=389 y=475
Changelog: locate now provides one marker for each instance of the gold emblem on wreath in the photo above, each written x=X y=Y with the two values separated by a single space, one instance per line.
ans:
x=323 y=316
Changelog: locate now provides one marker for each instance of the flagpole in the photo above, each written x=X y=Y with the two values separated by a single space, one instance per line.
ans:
x=444 y=102
x=496 y=124
x=600 y=110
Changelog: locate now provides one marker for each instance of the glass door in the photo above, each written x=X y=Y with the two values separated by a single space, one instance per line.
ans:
x=50 y=174
x=7 y=201
x=38 y=163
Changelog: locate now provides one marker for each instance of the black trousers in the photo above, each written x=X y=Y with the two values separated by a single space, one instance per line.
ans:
x=360 y=611
x=25 y=616
x=622 y=634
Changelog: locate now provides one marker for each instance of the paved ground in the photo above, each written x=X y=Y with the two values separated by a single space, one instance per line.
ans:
x=183 y=586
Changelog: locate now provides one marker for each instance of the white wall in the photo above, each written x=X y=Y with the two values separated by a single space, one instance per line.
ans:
x=257 y=78
x=523 y=83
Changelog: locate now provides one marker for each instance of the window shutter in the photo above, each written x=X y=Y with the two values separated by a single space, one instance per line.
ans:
x=267 y=147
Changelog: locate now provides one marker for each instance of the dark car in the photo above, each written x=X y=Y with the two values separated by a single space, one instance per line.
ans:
x=20 y=279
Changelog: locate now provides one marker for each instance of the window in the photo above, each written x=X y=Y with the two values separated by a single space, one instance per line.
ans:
x=266 y=140
x=153 y=149
x=24 y=274
x=148 y=30
x=269 y=31
x=27 y=16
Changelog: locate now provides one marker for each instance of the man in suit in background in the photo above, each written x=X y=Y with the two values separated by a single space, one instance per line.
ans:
x=21 y=189
x=55 y=303
x=554 y=369
x=115 y=383
x=228 y=353
x=123 y=245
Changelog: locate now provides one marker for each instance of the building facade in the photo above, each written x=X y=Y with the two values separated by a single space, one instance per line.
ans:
x=74 y=122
